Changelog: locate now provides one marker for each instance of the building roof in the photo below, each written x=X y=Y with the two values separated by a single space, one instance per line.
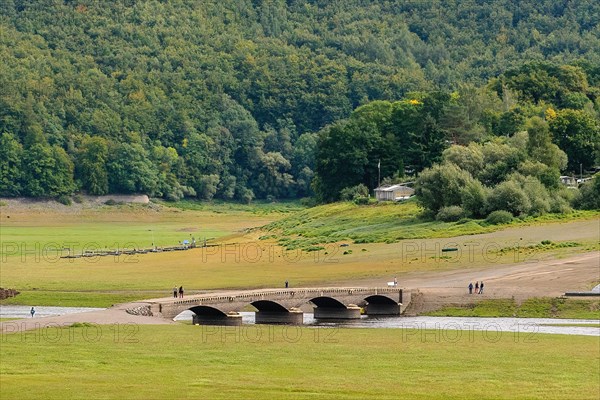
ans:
x=391 y=188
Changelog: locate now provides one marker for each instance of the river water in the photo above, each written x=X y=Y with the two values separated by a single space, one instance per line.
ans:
x=23 y=311
x=444 y=327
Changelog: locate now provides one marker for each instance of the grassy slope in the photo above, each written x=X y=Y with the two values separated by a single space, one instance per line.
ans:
x=383 y=223
x=259 y=362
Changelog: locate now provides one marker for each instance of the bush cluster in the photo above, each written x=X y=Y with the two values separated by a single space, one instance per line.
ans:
x=501 y=180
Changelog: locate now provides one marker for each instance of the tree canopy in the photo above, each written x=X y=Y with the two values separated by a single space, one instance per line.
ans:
x=235 y=98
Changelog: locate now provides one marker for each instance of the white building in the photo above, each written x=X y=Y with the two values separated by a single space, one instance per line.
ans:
x=568 y=181
x=394 y=192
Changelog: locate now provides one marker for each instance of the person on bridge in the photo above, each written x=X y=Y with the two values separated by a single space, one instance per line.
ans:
x=287 y=284
x=175 y=291
x=481 y=288
x=395 y=281
x=471 y=288
x=32 y=312
x=181 y=291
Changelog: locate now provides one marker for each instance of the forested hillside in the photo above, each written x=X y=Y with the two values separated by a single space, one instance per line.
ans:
x=236 y=99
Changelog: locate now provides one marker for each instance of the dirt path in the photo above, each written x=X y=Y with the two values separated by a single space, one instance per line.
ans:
x=528 y=279
x=540 y=279
x=113 y=315
x=549 y=278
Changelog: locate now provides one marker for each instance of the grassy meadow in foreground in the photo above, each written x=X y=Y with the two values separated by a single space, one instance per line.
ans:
x=257 y=362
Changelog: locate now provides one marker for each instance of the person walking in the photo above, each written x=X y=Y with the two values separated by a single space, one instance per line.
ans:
x=395 y=281
x=32 y=311
x=470 y=287
x=181 y=292
x=287 y=284
x=175 y=291
x=481 y=288
x=476 y=287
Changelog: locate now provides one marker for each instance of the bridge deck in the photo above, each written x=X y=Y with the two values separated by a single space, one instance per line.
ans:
x=245 y=295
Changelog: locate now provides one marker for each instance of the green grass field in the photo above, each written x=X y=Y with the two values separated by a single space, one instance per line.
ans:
x=79 y=299
x=26 y=235
x=257 y=362
x=544 y=307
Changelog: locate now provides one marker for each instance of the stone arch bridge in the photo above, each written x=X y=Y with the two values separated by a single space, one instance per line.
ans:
x=284 y=305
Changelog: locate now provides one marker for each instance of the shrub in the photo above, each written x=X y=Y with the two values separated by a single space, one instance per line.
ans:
x=172 y=196
x=536 y=192
x=441 y=186
x=474 y=199
x=308 y=201
x=468 y=158
x=188 y=191
x=589 y=195
x=110 y=202
x=246 y=195
x=361 y=200
x=499 y=217
x=450 y=214
x=509 y=196
x=64 y=199
x=354 y=192
x=78 y=198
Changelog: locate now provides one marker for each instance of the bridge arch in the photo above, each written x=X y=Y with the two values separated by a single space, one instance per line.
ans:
x=331 y=308
x=268 y=306
x=379 y=299
x=271 y=312
x=327 y=302
x=206 y=315
x=382 y=305
x=207 y=311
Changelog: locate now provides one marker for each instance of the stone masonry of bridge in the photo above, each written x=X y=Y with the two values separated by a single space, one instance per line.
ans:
x=329 y=302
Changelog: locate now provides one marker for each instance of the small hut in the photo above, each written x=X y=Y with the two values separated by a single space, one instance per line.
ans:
x=397 y=192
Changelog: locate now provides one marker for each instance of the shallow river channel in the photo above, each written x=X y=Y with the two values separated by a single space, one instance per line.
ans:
x=444 y=327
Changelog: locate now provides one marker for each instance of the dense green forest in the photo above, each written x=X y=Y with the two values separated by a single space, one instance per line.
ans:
x=241 y=99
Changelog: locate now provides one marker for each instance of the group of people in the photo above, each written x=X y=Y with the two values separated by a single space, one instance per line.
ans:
x=478 y=287
x=178 y=292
